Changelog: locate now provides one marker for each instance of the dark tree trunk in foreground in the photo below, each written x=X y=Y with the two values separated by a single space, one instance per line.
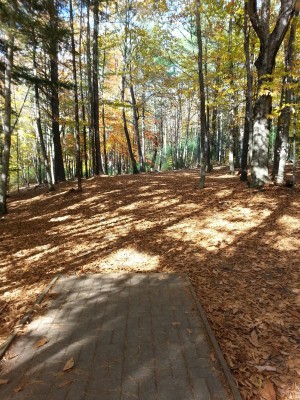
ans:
x=202 y=97
x=265 y=64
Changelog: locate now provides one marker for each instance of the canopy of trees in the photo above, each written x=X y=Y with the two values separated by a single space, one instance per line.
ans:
x=90 y=87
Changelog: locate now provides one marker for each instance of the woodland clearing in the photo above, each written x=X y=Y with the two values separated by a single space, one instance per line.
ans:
x=240 y=248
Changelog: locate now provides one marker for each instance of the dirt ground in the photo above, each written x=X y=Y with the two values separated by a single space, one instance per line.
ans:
x=240 y=248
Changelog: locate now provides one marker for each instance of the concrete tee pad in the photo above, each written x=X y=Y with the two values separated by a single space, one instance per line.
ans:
x=116 y=337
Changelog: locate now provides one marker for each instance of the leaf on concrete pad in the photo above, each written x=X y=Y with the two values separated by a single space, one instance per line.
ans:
x=64 y=384
x=175 y=323
x=267 y=391
x=41 y=342
x=3 y=381
x=188 y=331
x=69 y=364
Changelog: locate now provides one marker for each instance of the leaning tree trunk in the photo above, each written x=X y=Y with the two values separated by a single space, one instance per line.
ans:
x=202 y=97
x=265 y=64
x=5 y=156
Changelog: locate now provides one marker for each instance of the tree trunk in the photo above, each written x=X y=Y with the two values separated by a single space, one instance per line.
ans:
x=248 y=110
x=103 y=115
x=76 y=104
x=82 y=100
x=287 y=110
x=59 y=171
x=5 y=156
x=98 y=164
x=136 y=128
x=39 y=125
x=265 y=64
x=202 y=97
x=90 y=89
x=126 y=132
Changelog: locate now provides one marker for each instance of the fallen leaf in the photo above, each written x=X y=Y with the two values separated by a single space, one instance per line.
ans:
x=3 y=381
x=295 y=314
x=254 y=338
x=69 y=364
x=19 y=388
x=64 y=384
x=265 y=368
x=268 y=391
x=189 y=331
x=175 y=323
x=41 y=342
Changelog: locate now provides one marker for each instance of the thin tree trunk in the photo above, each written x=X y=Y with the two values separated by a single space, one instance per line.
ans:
x=136 y=128
x=82 y=100
x=5 y=156
x=39 y=125
x=202 y=97
x=126 y=132
x=90 y=90
x=76 y=104
x=287 y=110
x=248 y=110
x=59 y=171
x=103 y=115
x=98 y=164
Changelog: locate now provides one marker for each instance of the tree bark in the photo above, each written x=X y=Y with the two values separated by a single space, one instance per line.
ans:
x=82 y=100
x=98 y=164
x=265 y=64
x=287 y=110
x=136 y=118
x=202 y=97
x=59 y=171
x=5 y=156
x=76 y=103
x=248 y=109
x=126 y=132
x=39 y=125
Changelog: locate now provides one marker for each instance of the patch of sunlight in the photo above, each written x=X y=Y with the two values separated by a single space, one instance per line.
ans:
x=289 y=222
x=129 y=259
x=159 y=202
x=28 y=252
x=59 y=219
x=42 y=253
x=216 y=230
x=132 y=206
x=224 y=193
x=286 y=244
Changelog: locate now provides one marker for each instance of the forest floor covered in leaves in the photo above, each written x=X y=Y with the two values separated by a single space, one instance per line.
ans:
x=240 y=248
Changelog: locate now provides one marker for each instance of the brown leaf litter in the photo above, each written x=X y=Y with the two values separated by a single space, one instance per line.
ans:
x=240 y=248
